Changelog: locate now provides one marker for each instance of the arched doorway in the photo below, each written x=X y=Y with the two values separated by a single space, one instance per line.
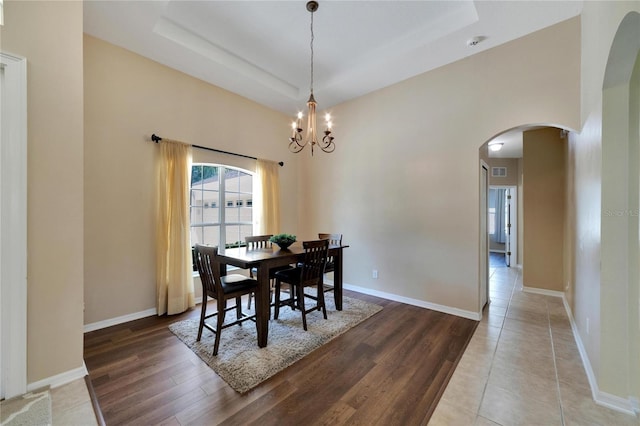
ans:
x=619 y=370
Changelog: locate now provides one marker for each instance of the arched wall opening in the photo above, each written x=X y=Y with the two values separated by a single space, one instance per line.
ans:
x=619 y=368
x=541 y=222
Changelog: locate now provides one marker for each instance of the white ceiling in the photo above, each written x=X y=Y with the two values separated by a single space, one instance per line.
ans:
x=261 y=49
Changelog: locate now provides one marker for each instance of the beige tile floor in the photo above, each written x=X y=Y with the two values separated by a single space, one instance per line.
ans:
x=71 y=405
x=522 y=366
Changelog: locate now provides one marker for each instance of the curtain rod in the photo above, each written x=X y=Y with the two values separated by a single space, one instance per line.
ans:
x=157 y=139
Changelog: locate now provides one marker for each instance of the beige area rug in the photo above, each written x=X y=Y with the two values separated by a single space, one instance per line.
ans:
x=31 y=409
x=243 y=365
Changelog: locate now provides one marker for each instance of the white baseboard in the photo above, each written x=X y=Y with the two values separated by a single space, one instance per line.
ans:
x=119 y=320
x=126 y=318
x=415 y=302
x=543 y=291
x=59 y=379
x=601 y=398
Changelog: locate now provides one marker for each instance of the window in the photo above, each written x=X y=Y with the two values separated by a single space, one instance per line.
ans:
x=217 y=185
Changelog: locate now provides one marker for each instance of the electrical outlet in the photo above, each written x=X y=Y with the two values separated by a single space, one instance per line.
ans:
x=374 y=274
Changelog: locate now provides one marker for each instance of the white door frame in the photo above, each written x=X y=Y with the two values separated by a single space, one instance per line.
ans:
x=483 y=261
x=13 y=226
x=513 y=242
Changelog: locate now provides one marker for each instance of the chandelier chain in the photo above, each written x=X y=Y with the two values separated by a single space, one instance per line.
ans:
x=312 y=37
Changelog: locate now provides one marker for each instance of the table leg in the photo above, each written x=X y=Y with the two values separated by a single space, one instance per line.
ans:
x=263 y=306
x=337 y=280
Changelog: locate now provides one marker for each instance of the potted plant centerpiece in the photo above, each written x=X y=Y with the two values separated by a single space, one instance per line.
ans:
x=283 y=240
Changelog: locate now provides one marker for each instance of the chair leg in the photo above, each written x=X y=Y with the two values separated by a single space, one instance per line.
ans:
x=239 y=308
x=300 y=295
x=222 y=306
x=203 y=313
x=321 y=305
x=276 y=311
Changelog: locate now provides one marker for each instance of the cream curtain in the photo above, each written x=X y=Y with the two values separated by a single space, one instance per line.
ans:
x=268 y=198
x=174 y=283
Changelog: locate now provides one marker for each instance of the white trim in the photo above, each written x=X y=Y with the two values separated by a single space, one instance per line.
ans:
x=126 y=318
x=13 y=228
x=601 y=398
x=543 y=291
x=60 y=379
x=415 y=302
x=119 y=320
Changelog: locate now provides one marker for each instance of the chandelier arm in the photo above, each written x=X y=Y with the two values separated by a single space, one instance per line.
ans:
x=295 y=148
x=327 y=144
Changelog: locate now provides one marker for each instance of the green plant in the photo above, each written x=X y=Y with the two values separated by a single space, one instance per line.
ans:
x=283 y=239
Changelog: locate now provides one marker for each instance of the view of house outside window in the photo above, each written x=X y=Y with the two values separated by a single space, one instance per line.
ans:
x=221 y=205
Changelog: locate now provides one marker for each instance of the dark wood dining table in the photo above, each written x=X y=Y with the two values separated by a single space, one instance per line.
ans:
x=266 y=258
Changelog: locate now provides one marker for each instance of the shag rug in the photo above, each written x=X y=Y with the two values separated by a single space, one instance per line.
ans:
x=33 y=408
x=243 y=365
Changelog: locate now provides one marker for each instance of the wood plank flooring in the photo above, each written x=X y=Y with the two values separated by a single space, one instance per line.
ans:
x=389 y=370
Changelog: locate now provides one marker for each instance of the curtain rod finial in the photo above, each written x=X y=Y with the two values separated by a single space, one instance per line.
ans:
x=155 y=138
x=281 y=163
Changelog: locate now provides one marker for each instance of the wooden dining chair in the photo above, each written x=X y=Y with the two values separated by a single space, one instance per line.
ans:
x=220 y=288
x=309 y=274
x=334 y=240
x=256 y=242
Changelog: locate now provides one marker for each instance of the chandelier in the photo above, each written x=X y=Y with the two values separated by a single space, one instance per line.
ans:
x=296 y=143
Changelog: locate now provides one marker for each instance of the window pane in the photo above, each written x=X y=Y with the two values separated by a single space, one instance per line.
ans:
x=232 y=215
x=233 y=236
x=210 y=212
x=245 y=231
x=207 y=201
x=196 y=174
x=212 y=235
x=196 y=235
x=196 y=215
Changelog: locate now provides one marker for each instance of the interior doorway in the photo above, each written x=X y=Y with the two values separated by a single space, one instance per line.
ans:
x=502 y=226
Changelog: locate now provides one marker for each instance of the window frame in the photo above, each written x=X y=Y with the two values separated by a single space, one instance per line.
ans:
x=222 y=204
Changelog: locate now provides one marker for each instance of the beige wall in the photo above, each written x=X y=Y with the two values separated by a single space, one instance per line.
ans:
x=596 y=315
x=403 y=181
x=543 y=171
x=127 y=98
x=49 y=36
x=512 y=171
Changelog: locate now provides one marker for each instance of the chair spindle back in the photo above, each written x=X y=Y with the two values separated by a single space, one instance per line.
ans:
x=258 y=241
x=209 y=269
x=315 y=260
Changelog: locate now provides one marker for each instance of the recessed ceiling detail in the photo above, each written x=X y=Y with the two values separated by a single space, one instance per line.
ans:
x=256 y=48
x=221 y=56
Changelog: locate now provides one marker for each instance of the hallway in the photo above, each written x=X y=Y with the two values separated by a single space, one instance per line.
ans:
x=522 y=366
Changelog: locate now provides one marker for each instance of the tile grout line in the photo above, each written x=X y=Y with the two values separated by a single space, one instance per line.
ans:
x=486 y=383
x=555 y=366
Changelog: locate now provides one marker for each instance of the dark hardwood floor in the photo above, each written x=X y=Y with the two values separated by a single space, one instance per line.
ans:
x=389 y=370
